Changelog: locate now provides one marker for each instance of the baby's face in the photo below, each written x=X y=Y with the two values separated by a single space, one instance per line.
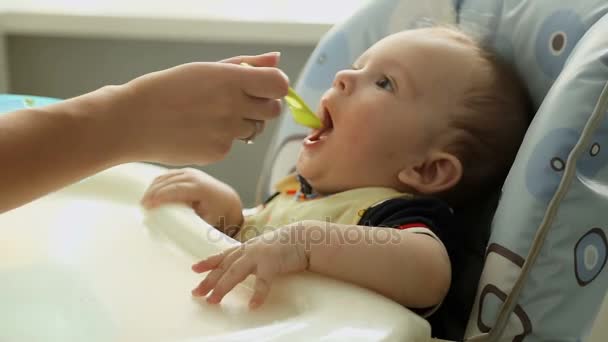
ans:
x=387 y=113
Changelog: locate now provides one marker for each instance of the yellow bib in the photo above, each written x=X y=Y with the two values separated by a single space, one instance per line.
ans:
x=345 y=207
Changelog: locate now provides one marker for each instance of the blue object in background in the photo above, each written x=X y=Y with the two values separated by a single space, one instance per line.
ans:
x=9 y=102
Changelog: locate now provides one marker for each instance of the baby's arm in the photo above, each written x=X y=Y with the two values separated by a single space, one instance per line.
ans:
x=214 y=201
x=410 y=268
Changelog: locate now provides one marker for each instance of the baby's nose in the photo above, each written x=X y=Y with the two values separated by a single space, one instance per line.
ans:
x=344 y=81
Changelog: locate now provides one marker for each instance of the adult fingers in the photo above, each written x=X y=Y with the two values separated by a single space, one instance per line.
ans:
x=262 y=109
x=264 y=82
x=269 y=59
x=249 y=129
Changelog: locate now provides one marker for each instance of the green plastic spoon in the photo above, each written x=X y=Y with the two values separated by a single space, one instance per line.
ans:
x=299 y=110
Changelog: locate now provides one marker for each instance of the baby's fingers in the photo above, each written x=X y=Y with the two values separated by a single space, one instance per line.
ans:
x=235 y=274
x=218 y=263
x=208 y=283
x=168 y=174
x=261 y=289
x=210 y=262
x=175 y=191
x=215 y=260
x=157 y=184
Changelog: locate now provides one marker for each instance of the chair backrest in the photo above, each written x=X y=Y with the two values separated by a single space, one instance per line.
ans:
x=548 y=244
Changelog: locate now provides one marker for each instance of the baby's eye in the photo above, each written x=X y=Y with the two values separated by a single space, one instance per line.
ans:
x=385 y=83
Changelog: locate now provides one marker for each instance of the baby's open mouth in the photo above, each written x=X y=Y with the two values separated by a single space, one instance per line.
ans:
x=323 y=132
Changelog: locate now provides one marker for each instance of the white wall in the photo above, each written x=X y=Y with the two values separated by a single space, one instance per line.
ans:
x=64 y=67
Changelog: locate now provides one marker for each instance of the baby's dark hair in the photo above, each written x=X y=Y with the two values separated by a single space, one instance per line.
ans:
x=487 y=126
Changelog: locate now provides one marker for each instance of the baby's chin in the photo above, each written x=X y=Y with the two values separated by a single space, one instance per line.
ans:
x=321 y=178
x=303 y=166
x=319 y=184
x=312 y=177
x=303 y=171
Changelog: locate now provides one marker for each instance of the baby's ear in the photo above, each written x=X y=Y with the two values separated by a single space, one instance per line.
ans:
x=438 y=173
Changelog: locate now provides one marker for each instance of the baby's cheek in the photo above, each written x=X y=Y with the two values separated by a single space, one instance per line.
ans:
x=355 y=138
x=360 y=146
x=363 y=129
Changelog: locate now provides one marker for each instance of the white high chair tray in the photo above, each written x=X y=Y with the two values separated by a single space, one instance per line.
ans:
x=88 y=264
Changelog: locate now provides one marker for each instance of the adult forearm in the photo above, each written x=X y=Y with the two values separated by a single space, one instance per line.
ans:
x=188 y=114
x=44 y=149
x=412 y=269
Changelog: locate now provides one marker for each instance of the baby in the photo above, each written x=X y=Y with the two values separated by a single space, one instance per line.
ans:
x=424 y=121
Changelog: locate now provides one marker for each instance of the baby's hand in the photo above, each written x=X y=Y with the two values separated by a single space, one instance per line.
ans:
x=215 y=202
x=266 y=256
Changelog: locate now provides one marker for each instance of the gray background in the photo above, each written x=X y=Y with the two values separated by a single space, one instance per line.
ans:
x=65 y=67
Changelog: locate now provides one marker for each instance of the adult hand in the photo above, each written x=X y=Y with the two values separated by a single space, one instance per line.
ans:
x=193 y=112
x=184 y=115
